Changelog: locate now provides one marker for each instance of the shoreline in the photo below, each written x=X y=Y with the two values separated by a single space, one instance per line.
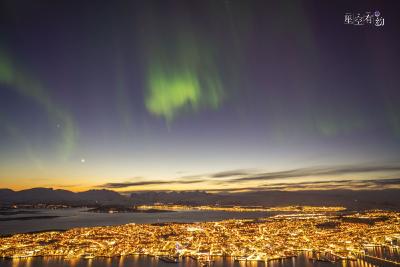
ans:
x=306 y=254
x=29 y=218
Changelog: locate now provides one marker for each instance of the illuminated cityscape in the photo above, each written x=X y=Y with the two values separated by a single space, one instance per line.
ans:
x=330 y=237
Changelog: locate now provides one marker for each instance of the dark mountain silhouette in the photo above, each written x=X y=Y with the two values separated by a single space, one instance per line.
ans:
x=6 y=193
x=102 y=195
x=175 y=197
x=43 y=195
x=388 y=198
x=59 y=196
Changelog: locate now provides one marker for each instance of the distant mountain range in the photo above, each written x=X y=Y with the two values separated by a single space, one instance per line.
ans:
x=59 y=196
x=388 y=198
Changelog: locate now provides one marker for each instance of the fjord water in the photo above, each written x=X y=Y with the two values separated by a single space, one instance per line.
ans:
x=145 y=261
x=78 y=217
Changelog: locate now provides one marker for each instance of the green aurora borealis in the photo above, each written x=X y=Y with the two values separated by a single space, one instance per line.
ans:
x=145 y=91
x=182 y=76
x=28 y=87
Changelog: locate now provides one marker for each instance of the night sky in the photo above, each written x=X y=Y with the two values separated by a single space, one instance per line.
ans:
x=208 y=95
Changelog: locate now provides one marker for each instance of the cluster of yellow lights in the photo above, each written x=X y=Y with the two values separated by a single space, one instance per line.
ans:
x=251 y=240
x=243 y=208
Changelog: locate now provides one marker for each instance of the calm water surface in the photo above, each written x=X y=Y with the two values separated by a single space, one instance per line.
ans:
x=77 y=217
x=144 y=261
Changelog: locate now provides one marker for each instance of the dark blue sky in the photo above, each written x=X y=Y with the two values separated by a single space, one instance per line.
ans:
x=96 y=93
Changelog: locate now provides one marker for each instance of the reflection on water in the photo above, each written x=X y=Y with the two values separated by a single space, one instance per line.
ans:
x=144 y=261
x=385 y=253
